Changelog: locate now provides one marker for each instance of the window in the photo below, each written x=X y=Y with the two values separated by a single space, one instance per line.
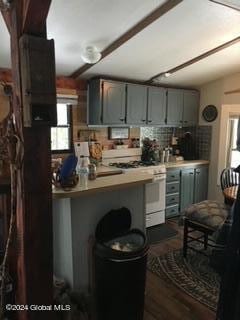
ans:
x=61 y=136
x=233 y=153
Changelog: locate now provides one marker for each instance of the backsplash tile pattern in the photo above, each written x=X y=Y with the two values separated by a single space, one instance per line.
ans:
x=201 y=134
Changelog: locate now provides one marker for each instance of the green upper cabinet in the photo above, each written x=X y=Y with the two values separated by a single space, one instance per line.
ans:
x=119 y=103
x=156 y=114
x=190 y=107
x=175 y=107
x=106 y=102
x=182 y=107
x=136 y=104
x=113 y=102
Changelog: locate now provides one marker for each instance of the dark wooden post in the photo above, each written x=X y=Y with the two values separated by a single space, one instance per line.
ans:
x=34 y=194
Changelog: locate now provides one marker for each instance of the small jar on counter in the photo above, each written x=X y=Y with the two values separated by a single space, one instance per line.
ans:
x=92 y=174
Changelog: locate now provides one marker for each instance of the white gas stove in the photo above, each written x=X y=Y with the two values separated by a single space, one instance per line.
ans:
x=155 y=191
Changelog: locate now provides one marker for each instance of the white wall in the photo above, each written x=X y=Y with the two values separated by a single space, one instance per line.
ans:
x=214 y=93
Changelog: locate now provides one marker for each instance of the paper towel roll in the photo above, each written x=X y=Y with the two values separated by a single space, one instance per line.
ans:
x=81 y=149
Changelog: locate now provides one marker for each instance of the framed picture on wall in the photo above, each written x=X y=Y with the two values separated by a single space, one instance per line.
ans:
x=118 y=133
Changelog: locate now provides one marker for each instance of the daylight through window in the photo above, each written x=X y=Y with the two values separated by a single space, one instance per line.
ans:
x=61 y=135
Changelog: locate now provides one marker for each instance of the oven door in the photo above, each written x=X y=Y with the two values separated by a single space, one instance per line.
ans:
x=155 y=194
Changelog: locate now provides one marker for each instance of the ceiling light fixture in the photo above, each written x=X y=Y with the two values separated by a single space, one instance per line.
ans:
x=91 y=55
x=167 y=74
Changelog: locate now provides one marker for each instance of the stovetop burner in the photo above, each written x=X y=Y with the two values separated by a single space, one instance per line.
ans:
x=133 y=164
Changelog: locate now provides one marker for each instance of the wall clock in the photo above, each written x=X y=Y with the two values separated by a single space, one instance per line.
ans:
x=210 y=113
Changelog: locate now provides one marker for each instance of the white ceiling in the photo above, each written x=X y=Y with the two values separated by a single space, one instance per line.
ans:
x=188 y=30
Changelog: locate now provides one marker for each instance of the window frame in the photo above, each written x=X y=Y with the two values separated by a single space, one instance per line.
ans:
x=231 y=137
x=70 y=127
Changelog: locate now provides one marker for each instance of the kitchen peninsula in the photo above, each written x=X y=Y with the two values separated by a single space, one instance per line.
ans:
x=77 y=212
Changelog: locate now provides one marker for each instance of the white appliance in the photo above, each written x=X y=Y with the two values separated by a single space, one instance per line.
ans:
x=155 y=193
x=82 y=153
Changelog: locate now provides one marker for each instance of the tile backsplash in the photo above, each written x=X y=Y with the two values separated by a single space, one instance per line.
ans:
x=201 y=134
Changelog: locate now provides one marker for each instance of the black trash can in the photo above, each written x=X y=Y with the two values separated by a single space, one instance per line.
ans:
x=120 y=258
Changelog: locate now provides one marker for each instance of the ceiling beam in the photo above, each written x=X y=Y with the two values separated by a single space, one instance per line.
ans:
x=61 y=81
x=196 y=59
x=35 y=13
x=226 y=5
x=153 y=16
x=232 y=91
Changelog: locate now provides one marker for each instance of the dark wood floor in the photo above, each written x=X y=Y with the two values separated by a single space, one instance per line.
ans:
x=164 y=301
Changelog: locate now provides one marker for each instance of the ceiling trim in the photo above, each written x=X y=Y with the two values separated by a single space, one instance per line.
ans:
x=153 y=16
x=197 y=59
x=225 y=5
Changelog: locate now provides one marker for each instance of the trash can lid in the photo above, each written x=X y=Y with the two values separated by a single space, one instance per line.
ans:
x=113 y=224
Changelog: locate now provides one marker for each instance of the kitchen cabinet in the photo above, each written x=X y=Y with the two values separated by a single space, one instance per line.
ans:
x=182 y=107
x=172 y=193
x=187 y=188
x=136 y=104
x=120 y=103
x=113 y=102
x=175 y=107
x=201 y=184
x=194 y=183
x=156 y=114
x=190 y=107
x=106 y=102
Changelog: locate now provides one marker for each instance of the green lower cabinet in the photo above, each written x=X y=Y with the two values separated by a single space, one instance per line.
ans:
x=194 y=186
x=201 y=184
x=187 y=188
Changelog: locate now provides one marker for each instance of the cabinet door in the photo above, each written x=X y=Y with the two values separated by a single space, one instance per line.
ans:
x=190 y=107
x=187 y=188
x=201 y=184
x=136 y=104
x=175 y=107
x=113 y=103
x=156 y=106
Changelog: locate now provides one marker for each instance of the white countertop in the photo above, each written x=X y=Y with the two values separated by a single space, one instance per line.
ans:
x=185 y=163
x=101 y=184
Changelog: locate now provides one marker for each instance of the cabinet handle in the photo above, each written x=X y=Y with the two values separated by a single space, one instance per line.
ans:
x=190 y=172
x=149 y=120
x=173 y=199
x=172 y=188
x=122 y=119
x=181 y=121
x=185 y=121
x=143 y=120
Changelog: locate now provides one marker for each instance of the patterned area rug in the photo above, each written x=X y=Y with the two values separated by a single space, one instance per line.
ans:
x=194 y=276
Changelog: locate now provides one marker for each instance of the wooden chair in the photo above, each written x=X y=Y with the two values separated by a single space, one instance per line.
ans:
x=200 y=221
x=229 y=178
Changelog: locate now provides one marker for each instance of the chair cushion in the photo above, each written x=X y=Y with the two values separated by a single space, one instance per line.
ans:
x=209 y=213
